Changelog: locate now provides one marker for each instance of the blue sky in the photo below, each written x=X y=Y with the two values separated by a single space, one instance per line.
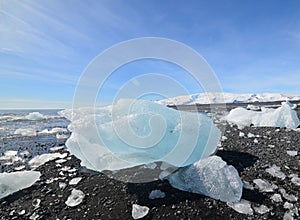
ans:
x=252 y=46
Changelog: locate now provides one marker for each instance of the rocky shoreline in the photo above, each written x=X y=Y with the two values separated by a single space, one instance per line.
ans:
x=105 y=198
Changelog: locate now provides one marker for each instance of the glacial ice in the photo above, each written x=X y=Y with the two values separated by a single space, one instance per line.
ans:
x=211 y=177
x=15 y=181
x=139 y=211
x=136 y=132
x=75 y=198
x=35 y=116
x=283 y=116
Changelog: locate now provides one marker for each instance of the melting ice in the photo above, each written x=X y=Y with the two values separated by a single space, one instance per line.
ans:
x=136 y=132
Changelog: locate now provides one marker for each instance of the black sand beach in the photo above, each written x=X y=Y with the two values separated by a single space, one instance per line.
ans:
x=107 y=198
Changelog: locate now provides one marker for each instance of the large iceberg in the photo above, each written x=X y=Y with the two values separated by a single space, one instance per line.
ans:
x=136 y=132
x=13 y=182
x=211 y=177
x=283 y=116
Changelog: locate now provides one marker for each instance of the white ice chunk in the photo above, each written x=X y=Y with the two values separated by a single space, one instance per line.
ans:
x=35 y=116
x=275 y=171
x=211 y=177
x=264 y=186
x=25 y=132
x=253 y=107
x=288 y=205
x=241 y=134
x=156 y=194
x=296 y=180
x=75 y=181
x=292 y=153
x=75 y=198
x=287 y=196
x=137 y=132
x=276 y=197
x=243 y=207
x=15 y=181
x=250 y=135
x=139 y=211
x=44 y=158
x=262 y=209
x=283 y=116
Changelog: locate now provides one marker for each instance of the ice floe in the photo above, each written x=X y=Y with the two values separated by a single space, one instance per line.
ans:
x=211 y=177
x=261 y=209
x=287 y=196
x=283 y=116
x=139 y=211
x=296 y=180
x=276 y=197
x=136 y=132
x=15 y=181
x=75 y=198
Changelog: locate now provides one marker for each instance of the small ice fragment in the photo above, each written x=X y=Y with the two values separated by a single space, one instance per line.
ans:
x=262 y=209
x=288 y=205
x=271 y=146
x=156 y=194
x=292 y=153
x=241 y=134
x=139 y=211
x=264 y=186
x=250 y=135
x=275 y=171
x=288 y=215
x=247 y=185
x=276 y=197
x=75 y=181
x=151 y=166
x=53 y=149
x=20 y=168
x=287 y=196
x=255 y=141
x=61 y=161
x=296 y=180
x=75 y=198
x=62 y=185
x=34 y=216
x=224 y=138
x=22 y=212
x=44 y=158
x=243 y=207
